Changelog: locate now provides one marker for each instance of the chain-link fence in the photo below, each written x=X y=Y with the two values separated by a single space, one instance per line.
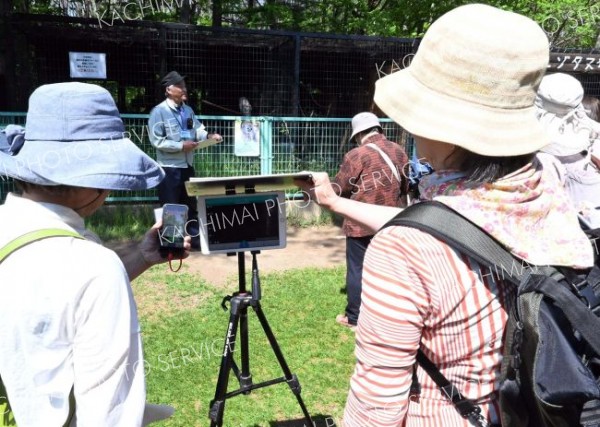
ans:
x=287 y=145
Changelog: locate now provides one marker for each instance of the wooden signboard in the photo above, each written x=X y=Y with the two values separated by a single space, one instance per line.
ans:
x=575 y=62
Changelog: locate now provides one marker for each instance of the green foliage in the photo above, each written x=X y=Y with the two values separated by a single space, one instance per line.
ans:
x=568 y=23
x=183 y=344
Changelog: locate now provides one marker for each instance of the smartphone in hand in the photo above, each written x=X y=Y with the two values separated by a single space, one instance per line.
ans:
x=173 y=229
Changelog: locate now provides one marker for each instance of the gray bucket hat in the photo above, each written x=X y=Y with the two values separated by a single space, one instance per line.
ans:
x=364 y=121
x=74 y=136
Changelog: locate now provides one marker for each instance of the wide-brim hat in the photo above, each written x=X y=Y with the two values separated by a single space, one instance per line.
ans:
x=74 y=136
x=362 y=122
x=172 y=78
x=472 y=83
x=561 y=114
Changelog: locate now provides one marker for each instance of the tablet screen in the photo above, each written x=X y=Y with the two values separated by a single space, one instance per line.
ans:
x=242 y=222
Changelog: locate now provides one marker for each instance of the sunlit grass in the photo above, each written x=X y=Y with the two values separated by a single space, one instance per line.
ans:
x=184 y=328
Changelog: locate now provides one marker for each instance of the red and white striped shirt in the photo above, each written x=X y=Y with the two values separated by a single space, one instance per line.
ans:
x=419 y=292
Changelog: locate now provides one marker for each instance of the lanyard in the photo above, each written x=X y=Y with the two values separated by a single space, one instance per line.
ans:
x=181 y=120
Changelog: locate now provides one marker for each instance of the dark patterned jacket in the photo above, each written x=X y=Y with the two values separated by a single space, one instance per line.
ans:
x=365 y=176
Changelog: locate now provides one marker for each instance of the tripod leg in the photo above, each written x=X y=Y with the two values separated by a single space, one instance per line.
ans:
x=292 y=380
x=217 y=405
x=245 y=377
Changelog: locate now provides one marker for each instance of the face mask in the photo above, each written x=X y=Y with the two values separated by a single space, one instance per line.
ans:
x=436 y=179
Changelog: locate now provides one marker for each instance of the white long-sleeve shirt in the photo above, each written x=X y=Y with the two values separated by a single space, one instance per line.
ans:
x=68 y=318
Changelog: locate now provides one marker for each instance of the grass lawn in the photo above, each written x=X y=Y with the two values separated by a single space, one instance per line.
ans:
x=184 y=326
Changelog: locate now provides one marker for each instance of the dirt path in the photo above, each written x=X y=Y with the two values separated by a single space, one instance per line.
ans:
x=322 y=246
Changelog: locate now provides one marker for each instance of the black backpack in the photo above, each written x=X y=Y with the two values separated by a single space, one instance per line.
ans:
x=551 y=364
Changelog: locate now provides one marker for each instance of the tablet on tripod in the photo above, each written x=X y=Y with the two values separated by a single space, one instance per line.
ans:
x=242 y=222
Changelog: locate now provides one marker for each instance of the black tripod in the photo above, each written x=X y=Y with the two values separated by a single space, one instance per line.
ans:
x=238 y=303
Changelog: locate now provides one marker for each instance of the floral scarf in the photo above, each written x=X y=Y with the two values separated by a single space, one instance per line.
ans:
x=527 y=210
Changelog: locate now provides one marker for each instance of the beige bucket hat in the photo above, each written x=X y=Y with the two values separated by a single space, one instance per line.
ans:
x=472 y=83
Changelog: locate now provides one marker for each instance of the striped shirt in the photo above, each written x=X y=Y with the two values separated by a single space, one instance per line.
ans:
x=419 y=292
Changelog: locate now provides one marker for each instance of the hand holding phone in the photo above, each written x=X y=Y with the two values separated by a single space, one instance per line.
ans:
x=173 y=230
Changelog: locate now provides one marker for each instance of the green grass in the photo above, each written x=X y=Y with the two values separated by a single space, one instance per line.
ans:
x=121 y=222
x=184 y=328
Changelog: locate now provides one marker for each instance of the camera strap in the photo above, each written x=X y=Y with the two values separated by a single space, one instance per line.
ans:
x=171 y=258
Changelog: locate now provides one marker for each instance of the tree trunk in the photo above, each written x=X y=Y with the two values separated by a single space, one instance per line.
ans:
x=217 y=13
x=184 y=16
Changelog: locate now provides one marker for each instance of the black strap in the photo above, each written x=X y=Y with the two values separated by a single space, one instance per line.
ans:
x=465 y=407
x=448 y=225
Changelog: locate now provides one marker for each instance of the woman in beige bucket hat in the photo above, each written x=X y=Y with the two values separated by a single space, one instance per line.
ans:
x=468 y=99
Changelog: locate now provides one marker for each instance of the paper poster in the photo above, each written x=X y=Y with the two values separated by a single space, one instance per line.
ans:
x=87 y=65
x=247 y=138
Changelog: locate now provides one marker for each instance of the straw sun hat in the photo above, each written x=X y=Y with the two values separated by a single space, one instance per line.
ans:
x=75 y=136
x=472 y=83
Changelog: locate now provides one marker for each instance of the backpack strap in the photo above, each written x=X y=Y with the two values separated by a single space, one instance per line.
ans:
x=465 y=407
x=5 y=252
x=447 y=225
x=33 y=236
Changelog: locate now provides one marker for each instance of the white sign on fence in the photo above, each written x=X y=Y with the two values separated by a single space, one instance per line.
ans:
x=87 y=65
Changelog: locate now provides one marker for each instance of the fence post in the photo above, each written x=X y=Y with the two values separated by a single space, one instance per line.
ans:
x=266 y=146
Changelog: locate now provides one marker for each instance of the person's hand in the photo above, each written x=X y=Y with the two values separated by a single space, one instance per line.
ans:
x=149 y=246
x=215 y=136
x=189 y=146
x=318 y=189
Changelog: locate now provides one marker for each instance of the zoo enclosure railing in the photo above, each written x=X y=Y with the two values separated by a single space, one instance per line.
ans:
x=287 y=145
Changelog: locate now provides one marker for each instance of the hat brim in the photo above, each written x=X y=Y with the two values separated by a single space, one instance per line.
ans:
x=566 y=137
x=359 y=130
x=475 y=127
x=174 y=82
x=116 y=164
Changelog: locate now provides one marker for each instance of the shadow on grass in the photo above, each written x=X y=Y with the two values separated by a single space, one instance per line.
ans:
x=318 y=421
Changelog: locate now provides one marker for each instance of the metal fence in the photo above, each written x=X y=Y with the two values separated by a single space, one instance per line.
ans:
x=287 y=145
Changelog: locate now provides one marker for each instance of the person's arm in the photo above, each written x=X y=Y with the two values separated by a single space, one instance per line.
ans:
x=320 y=190
x=146 y=253
x=388 y=333
x=201 y=132
x=107 y=356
